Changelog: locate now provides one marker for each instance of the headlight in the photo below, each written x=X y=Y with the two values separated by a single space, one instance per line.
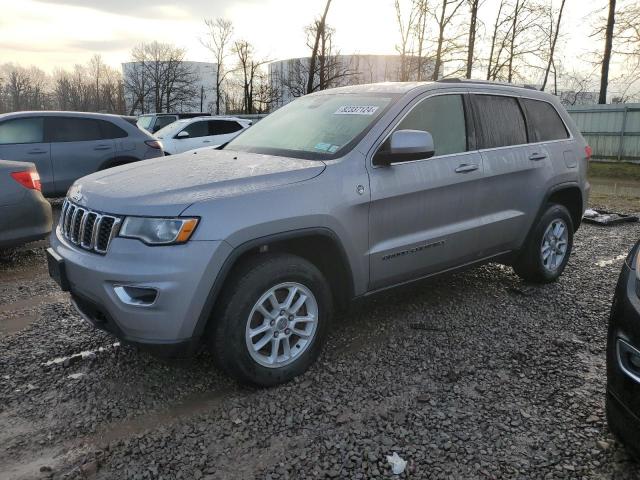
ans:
x=158 y=231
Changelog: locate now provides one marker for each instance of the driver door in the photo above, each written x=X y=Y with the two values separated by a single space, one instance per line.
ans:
x=198 y=133
x=424 y=213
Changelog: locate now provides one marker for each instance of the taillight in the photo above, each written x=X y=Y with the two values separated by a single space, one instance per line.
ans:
x=28 y=179
x=154 y=144
x=588 y=151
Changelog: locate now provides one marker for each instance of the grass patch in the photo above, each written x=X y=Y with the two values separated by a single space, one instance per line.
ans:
x=619 y=171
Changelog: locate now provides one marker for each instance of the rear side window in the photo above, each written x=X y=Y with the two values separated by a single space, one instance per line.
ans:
x=499 y=121
x=544 y=121
x=443 y=117
x=110 y=130
x=22 y=130
x=70 y=129
x=223 y=127
x=197 y=129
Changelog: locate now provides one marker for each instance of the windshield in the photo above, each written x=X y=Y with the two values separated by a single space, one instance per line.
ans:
x=144 y=121
x=171 y=128
x=315 y=127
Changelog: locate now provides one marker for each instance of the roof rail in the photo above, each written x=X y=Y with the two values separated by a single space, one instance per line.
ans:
x=483 y=82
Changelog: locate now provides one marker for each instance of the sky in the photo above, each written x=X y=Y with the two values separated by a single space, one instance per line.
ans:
x=61 y=33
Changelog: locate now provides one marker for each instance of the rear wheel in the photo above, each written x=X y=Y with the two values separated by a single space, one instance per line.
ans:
x=272 y=319
x=547 y=250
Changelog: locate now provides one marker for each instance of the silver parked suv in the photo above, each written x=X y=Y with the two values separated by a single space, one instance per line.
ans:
x=337 y=195
x=68 y=145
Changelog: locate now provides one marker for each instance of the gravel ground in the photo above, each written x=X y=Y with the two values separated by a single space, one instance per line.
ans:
x=472 y=375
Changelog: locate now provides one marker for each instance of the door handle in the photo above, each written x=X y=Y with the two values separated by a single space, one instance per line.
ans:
x=537 y=156
x=37 y=151
x=467 y=167
x=102 y=147
x=206 y=141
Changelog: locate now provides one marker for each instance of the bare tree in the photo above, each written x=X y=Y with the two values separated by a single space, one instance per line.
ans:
x=608 y=46
x=320 y=32
x=23 y=88
x=158 y=79
x=473 y=25
x=407 y=26
x=554 y=36
x=515 y=45
x=250 y=69
x=446 y=44
x=218 y=41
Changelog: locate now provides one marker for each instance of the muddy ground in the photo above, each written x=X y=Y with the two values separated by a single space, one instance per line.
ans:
x=471 y=375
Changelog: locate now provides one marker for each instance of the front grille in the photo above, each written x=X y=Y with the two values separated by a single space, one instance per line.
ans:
x=88 y=229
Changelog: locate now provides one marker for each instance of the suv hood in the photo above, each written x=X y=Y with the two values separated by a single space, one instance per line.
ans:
x=167 y=186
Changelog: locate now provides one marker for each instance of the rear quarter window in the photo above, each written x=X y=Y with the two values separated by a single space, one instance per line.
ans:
x=110 y=130
x=499 y=121
x=544 y=121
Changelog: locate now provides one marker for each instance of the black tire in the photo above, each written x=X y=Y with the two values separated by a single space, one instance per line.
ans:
x=529 y=264
x=247 y=283
x=622 y=427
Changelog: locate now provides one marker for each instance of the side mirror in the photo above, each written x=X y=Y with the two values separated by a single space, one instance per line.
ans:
x=183 y=134
x=405 y=146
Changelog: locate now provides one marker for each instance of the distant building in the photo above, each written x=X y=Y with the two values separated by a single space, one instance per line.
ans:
x=288 y=78
x=191 y=89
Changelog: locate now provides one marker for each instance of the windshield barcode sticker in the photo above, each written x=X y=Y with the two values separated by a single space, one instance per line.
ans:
x=356 y=110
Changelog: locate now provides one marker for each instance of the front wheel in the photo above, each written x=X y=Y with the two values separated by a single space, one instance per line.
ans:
x=548 y=247
x=272 y=319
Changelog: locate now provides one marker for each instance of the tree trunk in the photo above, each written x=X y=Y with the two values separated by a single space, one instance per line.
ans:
x=512 y=47
x=314 y=52
x=472 y=36
x=440 y=40
x=553 y=47
x=606 y=59
x=493 y=40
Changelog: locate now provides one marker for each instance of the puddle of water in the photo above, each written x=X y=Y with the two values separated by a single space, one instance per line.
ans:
x=190 y=406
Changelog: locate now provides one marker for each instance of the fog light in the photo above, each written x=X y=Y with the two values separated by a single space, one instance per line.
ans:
x=629 y=360
x=138 y=296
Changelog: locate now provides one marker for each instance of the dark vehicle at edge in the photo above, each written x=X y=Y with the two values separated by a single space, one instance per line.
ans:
x=623 y=357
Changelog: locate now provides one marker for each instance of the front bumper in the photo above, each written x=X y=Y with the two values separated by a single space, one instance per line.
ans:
x=623 y=376
x=182 y=276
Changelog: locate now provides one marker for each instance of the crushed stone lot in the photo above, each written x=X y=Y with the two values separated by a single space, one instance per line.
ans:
x=471 y=375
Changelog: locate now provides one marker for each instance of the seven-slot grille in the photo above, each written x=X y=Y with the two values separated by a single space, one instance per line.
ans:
x=88 y=229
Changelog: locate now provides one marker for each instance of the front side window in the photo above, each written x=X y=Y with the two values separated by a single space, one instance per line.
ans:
x=499 y=121
x=197 y=129
x=443 y=117
x=22 y=130
x=69 y=129
x=315 y=126
x=544 y=121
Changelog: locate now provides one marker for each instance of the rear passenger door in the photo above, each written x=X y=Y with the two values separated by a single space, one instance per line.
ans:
x=22 y=139
x=78 y=148
x=423 y=216
x=546 y=127
x=514 y=170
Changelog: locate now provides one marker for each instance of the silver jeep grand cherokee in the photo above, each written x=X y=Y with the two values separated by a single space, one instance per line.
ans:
x=337 y=195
